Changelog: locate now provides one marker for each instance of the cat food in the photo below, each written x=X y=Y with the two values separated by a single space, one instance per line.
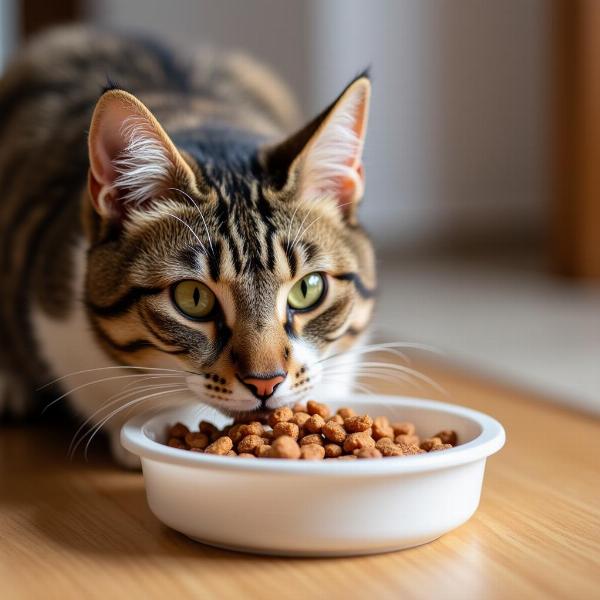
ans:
x=311 y=432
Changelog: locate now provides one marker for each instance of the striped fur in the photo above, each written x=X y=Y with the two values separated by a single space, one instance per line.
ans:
x=211 y=194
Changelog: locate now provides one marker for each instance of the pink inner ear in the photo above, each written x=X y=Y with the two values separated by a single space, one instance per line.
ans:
x=107 y=142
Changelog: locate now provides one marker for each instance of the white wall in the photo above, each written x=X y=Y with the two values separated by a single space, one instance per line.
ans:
x=456 y=145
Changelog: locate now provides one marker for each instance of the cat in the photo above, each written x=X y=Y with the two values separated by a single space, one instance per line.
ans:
x=170 y=233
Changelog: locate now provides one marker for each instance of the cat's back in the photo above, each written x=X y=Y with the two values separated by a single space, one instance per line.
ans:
x=47 y=97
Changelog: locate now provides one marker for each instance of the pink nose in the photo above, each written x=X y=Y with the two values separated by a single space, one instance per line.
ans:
x=263 y=388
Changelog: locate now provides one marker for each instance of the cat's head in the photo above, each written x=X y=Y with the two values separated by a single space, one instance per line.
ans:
x=236 y=259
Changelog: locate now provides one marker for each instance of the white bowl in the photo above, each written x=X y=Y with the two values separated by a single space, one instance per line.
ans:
x=319 y=508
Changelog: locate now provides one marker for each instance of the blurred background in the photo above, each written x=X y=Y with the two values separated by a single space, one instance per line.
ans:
x=483 y=192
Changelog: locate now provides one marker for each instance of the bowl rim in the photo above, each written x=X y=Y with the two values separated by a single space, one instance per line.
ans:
x=489 y=441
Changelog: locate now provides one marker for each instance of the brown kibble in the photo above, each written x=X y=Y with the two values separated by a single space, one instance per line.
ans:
x=448 y=436
x=333 y=451
x=357 y=424
x=221 y=446
x=382 y=431
x=280 y=415
x=316 y=408
x=358 y=440
x=250 y=443
x=253 y=428
x=406 y=438
x=309 y=432
x=195 y=439
x=286 y=428
x=300 y=418
x=313 y=438
x=403 y=427
x=346 y=413
x=263 y=451
x=440 y=447
x=334 y=432
x=179 y=430
x=314 y=424
x=336 y=419
x=312 y=452
x=429 y=443
x=384 y=442
x=285 y=447
x=176 y=443
x=368 y=453
x=390 y=450
x=209 y=429
x=408 y=449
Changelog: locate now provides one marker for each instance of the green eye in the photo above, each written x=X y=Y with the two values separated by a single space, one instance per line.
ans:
x=193 y=299
x=307 y=291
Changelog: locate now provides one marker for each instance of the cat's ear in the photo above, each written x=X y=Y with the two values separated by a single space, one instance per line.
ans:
x=132 y=159
x=324 y=158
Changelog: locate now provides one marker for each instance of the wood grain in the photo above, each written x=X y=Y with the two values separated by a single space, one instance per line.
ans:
x=77 y=529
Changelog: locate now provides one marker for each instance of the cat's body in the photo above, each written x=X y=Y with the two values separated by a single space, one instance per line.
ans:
x=91 y=262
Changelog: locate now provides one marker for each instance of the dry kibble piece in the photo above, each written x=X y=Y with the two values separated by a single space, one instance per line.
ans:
x=300 y=418
x=390 y=450
x=448 y=436
x=263 y=451
x=408 y=449
x=279 y=415
x=345 y=413
x=334 y=432
x=179 y=430
x=332 y=450
x=316 y=408
x=250 y=443
x=285 y=447
x=405 y=438
x=403 y=427
x=347 y=457
x=430 y=443
x=440 y=447
x=358 y=440
x=232 y=453
x=235 y=433
x=313 y=438
x=312 y=452
x=357 y=424
x=246 y=455
x=382 y=431
x=176 y=443
x=286 y=428
x=368 y=453
x=336 y=419
x=253 y=428
x=384 y=442
x=314 y=424
x=299 y=407
x=208 y=428
x=195 y=439
x=220 y=446
x=381 y=421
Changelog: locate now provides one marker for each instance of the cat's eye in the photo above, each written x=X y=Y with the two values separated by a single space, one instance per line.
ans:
x=194 y=299
x=307 y=292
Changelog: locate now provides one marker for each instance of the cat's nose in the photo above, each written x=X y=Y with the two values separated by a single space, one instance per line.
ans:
x=263 y=387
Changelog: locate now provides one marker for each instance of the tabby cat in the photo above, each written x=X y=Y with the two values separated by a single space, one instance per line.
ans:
x=170 y=235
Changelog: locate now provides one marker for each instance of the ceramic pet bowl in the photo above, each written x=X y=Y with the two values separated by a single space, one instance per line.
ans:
x=319 y=508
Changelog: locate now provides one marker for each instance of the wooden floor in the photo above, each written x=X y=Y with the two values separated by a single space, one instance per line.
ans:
x=83 y=530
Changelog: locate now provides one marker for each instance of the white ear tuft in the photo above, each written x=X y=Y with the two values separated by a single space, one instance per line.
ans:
x=143 y=168
x=132 y=160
